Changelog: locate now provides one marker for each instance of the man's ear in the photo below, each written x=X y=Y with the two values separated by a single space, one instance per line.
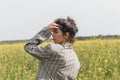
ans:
x=66 y=35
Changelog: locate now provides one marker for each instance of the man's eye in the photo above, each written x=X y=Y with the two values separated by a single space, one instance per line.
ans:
x=56 y=31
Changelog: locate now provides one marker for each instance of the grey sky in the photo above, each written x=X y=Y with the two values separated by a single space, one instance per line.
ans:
x=22 y=19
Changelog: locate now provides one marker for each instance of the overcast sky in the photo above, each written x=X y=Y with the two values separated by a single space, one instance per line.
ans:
x=22 y=19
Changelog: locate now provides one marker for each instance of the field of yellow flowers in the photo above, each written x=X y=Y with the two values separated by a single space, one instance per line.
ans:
x=100 y=60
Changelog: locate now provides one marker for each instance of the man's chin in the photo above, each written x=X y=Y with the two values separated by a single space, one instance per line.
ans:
x=55 y=42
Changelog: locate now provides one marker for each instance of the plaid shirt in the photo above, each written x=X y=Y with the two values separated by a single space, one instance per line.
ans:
x=57 y=61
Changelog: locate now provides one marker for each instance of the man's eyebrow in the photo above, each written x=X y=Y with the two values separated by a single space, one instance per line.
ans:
x=55 y=29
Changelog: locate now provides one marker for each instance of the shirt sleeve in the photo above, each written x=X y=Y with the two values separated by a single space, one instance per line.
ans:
x=32 y=46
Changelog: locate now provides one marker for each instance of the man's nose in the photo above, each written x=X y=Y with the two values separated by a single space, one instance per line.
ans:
x=53 y=35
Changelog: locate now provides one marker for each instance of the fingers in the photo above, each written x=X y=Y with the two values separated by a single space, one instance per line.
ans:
x=53 y=26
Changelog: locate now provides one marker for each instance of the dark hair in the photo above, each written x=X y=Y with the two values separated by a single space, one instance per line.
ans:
x=67 y=25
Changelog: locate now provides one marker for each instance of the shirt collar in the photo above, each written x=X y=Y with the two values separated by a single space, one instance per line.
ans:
x=67 y=45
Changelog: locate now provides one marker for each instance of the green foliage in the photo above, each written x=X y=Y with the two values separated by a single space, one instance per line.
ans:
x=100 y=60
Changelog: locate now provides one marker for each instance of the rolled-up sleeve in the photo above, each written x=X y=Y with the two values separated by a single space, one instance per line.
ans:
x=32 y=46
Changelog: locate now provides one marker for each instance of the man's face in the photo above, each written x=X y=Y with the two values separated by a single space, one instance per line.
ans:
x=58 y=36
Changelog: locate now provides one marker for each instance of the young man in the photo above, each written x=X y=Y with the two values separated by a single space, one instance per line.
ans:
x=58 y=61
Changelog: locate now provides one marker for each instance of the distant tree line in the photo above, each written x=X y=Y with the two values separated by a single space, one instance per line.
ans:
x=12 y=41
x=98 y=37
x=78 y=38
